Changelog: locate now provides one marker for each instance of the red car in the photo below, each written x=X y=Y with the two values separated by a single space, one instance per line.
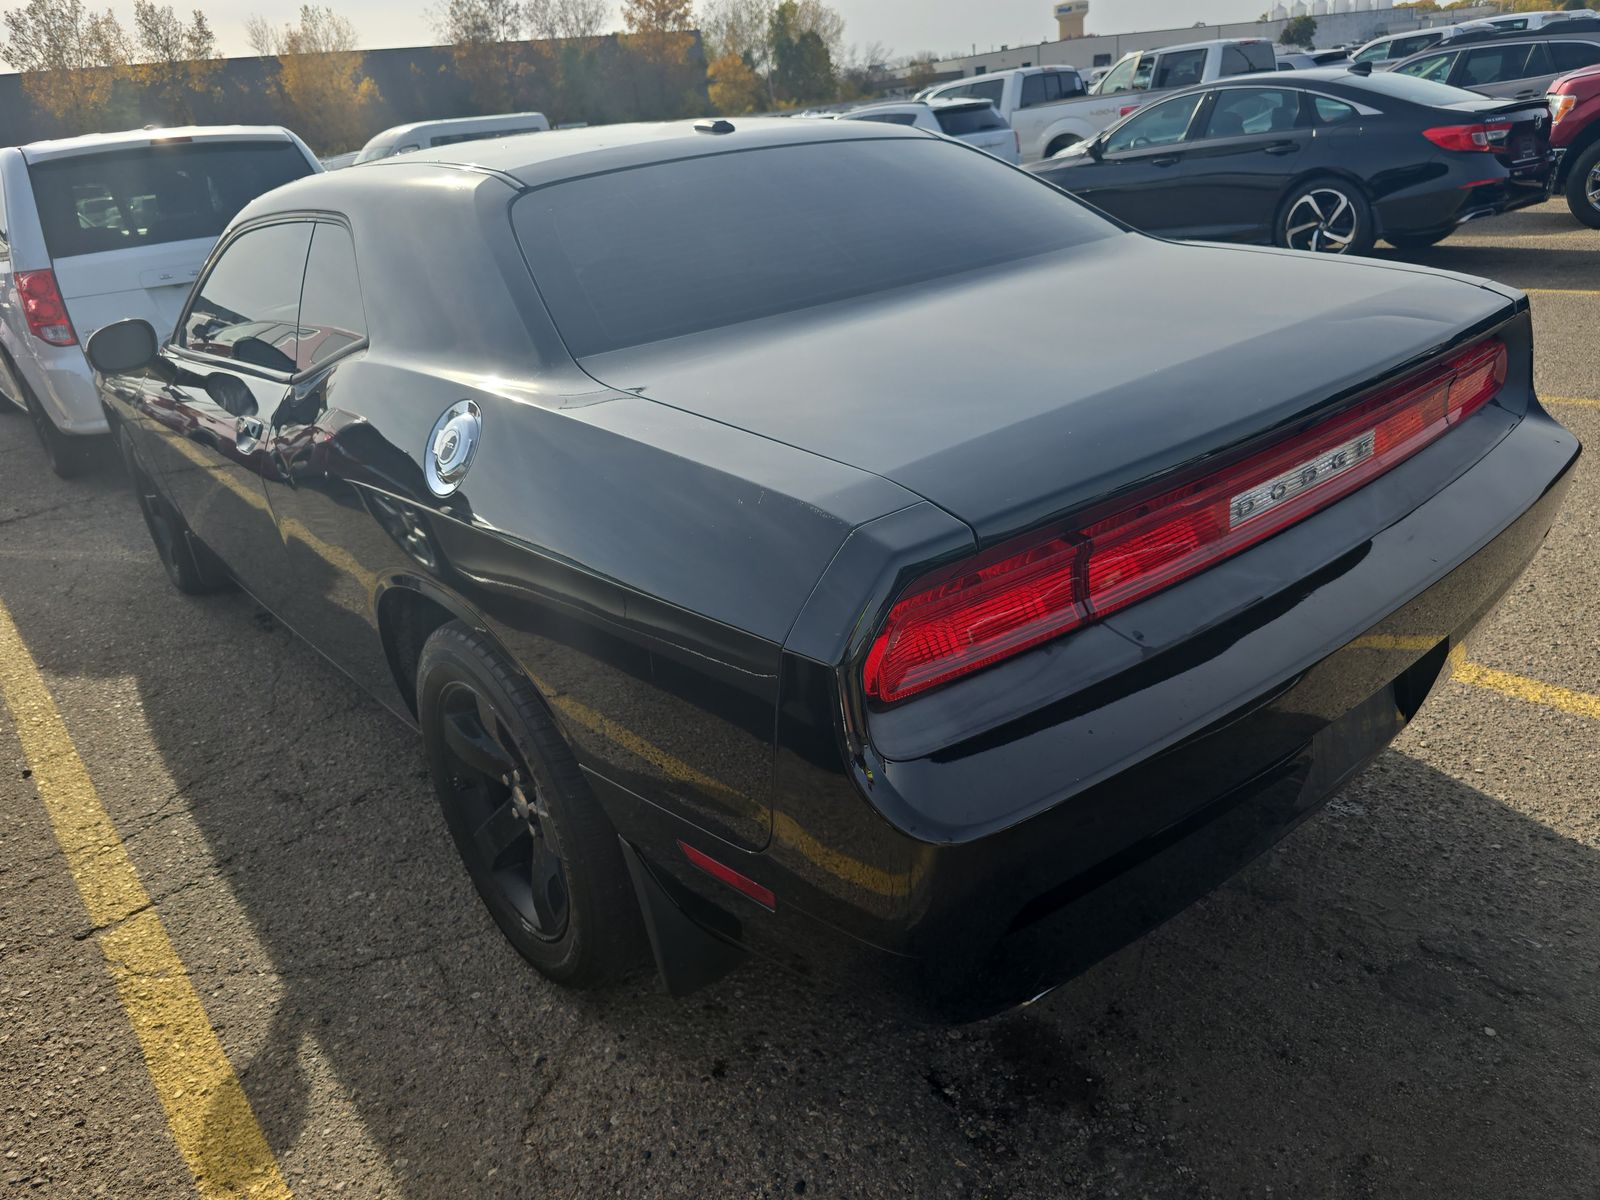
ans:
x=1575 y=136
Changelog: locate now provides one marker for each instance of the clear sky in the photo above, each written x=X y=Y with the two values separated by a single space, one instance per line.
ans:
x=903 y=26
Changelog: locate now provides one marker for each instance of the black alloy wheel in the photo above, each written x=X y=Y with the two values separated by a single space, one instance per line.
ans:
x=1326 y=216
x=1583 y=187
x=538 y=847
x=192 y=569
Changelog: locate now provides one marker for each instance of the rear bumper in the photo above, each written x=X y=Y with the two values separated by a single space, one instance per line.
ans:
x=1467 y=194
x=1230 y=741
x=63 y=383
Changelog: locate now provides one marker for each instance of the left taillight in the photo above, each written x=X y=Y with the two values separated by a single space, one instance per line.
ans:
x=44 y=309
x=1007 y=600
x=1488 y=136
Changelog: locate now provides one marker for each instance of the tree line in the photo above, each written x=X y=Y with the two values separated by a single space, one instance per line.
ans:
x=82 y=69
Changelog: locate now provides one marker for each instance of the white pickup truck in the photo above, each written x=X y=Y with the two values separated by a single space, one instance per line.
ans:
x=1050 y=109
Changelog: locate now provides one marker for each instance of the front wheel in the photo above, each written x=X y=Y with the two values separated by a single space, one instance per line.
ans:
x=1415 y=241
x=1583 y=187
x=191 y=567
x=1326 y=216
x=540 y=851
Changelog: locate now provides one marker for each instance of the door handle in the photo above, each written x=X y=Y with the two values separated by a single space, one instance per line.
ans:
x=1282 y=147
x=249 y=436
x=1166 y=160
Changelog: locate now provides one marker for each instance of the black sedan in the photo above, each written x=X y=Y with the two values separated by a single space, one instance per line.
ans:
x=746 y=599
x=1328 y=160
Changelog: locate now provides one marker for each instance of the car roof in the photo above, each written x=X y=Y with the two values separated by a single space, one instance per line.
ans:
x=93 y=143
x=399 y=131
x=534 y=159
x=1206 y=45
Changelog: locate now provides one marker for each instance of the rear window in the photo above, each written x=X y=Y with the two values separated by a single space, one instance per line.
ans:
x=154 y=194
x=676 y=248
x=977 y=119
x=1411 y=89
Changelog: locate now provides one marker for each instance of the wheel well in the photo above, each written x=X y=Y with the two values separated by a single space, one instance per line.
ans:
x=1580 y=144
x=1060 y=142
x=1341 y=177
x=406 y=619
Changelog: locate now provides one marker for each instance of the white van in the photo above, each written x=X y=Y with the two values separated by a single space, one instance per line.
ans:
x=94 y=229
x=419 y=135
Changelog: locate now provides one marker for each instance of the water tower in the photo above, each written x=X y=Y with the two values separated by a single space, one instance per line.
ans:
x=1070 y=16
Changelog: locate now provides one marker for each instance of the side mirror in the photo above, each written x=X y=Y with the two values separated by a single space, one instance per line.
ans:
x=122 y=346
x=1097 y=147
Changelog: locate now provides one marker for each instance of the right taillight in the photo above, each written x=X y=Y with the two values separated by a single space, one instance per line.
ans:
x=1486 y=136
x=44 y=309
x=1024 y=593
x=1560 y=106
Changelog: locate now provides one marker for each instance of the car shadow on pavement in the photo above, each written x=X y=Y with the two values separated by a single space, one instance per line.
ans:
x=1401 y=999
x=1529 y=264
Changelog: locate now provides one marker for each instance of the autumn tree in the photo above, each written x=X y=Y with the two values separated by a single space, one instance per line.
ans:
x=486 y=49
x=174 y=60
x=1298 y=31
x=733 y=87
x=320 y=76
x=67 y=56
x=566 y=20
x=802 y=64
x=659 y=29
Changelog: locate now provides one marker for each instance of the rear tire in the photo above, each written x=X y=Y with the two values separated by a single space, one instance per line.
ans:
x=1057 y=145
x=536 y=844
x=191 y=567
x=68 y=456
x=1326 y=215
x=1415 y=241
x=1583 y=187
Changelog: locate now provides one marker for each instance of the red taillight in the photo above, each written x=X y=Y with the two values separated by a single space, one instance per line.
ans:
x=1126 y=109
x=1010 y=599
x=44 y=309
x=740 y=883
x=1488 y=137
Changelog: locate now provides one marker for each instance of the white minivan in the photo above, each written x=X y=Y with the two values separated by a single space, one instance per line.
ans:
x=111 y=225
x=402 y=139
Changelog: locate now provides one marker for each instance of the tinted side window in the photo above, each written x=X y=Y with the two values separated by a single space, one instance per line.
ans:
x=1242 y=111
x=959 y=121
x=1401 y=47
x=1569 y=56
x=1235 y=63
x=249 y=305
x=898 y=118
x=992 y=90
x=1435 y=67
x=332 y=315
x=1331 y=111
x=1033 y=90
x=1181 y=68
x=1375 y=53
x=1494 y=64
x=1159 y=125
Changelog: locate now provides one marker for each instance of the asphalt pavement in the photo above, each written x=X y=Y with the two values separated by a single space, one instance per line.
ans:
x=1401 y=1000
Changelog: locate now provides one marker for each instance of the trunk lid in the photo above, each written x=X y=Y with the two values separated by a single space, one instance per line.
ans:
x=1017 y=393
x=151 y=282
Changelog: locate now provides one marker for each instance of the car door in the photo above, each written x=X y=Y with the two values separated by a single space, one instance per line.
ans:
x=225 y=372
x=1137 y=174
x=336 y=536
x=1242 y=158
x=1515 y=70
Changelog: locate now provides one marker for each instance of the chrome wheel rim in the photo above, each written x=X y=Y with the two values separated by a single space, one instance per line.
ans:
x=503 y=811
x=1591 y=187
x=1323 y=221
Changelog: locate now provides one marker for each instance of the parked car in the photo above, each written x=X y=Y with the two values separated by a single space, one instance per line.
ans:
x=1521 y=67
x=1515 y=23
x=1048 y=107
x=1383 y=52
x=1172 y=67
x=969 y=120
x=1305 y=60
x=1327 y=160
x=1575 y=133
x=423 y=135
x=93 y=229
x=730 y=590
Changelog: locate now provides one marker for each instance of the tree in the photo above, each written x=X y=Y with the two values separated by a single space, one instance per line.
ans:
x=172 y=60
x=865 y=72
x=1298 y=31
x=486 y=47
x=802 y=66
x=320 y=76
x=68 y=58
x=660 y=28
x=921 y=70
x=734 y=87
x=565 y=20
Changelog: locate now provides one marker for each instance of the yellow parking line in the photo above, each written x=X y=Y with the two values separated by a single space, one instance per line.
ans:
x=1574 y=401
x=1533 y=691
x=210 y=1117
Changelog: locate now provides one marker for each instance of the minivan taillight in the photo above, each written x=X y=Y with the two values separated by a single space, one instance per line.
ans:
x=1488 y=137
x=1012 y=598
x=44 y=309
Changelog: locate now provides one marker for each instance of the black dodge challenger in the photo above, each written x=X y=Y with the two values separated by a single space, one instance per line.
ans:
x=825 y=540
